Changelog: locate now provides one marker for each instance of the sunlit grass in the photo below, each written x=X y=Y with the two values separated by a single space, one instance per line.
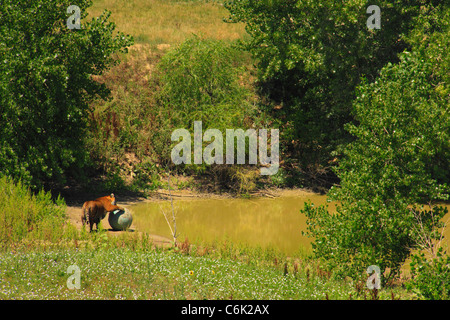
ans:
x=122 y=273
x=129 y=267
x=169 y=22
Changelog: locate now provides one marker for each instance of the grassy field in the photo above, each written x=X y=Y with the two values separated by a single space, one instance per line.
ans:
x=169 y=21
x=127 y=274
x=143 y=273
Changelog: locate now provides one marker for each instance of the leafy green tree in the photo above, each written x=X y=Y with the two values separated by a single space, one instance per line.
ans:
x=46 y=85
x=311 y=56
x=200 y=82
x=397 y=167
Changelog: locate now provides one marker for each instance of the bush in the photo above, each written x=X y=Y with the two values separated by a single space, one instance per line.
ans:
x=24 y=215
x=431 y=277
x=204 y=80
x=200 y=81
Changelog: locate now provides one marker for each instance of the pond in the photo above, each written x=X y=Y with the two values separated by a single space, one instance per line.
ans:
x=264 y=222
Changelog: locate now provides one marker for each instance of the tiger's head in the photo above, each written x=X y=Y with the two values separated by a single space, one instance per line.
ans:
x=113 y=199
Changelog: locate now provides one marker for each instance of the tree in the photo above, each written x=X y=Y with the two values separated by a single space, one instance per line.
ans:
x=46 y=85
x=311 y=56
x=397 y=168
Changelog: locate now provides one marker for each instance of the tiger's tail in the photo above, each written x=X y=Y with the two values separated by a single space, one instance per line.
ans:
x=84 y=214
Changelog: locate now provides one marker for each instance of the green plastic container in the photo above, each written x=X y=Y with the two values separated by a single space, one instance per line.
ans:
x=120 y=219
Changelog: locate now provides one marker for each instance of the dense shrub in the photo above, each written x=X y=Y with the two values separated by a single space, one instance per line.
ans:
x=24 y=215
x=205 y=80
x=431 y=277
x=200 y=82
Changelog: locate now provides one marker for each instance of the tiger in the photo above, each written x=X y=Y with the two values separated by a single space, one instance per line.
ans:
x=95 y=210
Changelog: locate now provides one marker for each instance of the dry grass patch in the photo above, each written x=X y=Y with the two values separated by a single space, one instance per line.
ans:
x=167 y=21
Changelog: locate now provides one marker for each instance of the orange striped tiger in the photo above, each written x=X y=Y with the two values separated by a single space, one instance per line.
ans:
x=95 y=210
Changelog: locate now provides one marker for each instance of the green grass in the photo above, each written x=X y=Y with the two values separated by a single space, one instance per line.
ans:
x=121 y=273
x=126 y=268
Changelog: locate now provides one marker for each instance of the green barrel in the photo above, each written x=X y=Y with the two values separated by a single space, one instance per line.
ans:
x=120 y=219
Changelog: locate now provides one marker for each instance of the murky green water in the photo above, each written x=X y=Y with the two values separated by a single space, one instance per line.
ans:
x=264 y=222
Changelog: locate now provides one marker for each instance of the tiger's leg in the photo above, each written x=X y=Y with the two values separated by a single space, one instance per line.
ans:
x=91 y=220
x=101 y=216
x=84 y=214
x=83 y=217
x=96 y=220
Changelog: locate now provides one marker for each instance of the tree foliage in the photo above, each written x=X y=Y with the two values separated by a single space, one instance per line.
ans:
x=397 y=167
x=46 y=85
x=311 y=56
